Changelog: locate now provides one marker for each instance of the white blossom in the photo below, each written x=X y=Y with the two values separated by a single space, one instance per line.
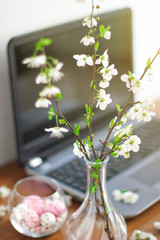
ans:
x=103 y=99
x=140 y=113
x=135 y=85
x=130 y=197
x=125 y=78
x=109 y=72
x=125 y=131
x=104 y=83
x=49 y=92
x=35 y=61
x=103 y=59
x=41 y=78
x=147 y=103
x=124 y=118
x=83 y=59
x=55 y=74
x=125 y=152
x=107 y=35
x=4 y=192
x=43 y=103
x=133 y=143
x=122 y=150
x=78 y=152
x=3 y=209
x=145 y=115
x=56 y=131
x=134 y=111
x=156 y=225
x=132 y=82
x=89 y=22
x=87 y=40
x=142 y=235
x=117 y=195
x=127 y=196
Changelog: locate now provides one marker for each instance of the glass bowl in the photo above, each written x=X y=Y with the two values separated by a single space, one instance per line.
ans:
x=37 y=206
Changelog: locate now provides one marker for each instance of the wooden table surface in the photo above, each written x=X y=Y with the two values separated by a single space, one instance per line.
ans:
x=11 y=173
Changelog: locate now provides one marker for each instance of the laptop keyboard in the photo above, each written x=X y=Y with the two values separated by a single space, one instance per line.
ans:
x=74 y=173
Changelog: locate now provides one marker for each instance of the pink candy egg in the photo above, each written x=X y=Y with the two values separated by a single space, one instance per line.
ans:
x=56 y=207
x=35 y=203
x=31 y=219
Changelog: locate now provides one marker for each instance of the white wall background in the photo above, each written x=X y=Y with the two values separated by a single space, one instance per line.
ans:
x=21 y=16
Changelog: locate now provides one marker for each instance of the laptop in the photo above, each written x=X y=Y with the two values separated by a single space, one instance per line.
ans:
x=40 y=154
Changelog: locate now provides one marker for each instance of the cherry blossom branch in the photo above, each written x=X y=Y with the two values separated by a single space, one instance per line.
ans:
x=126 y=105
x=92 y=91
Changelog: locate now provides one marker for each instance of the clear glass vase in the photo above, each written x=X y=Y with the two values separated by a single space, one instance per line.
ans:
x=96 y=218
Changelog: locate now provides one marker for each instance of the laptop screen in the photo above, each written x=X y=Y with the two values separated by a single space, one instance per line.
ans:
x=29 y=121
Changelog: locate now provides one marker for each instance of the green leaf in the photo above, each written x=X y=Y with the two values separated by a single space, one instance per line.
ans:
x=89 y=141
x=96 y=165
x=96 y=46
x=114 y=154
x=59 y=96
x=117 y=138
x=124 y=190
x=91 y=85
x=38 y=46
x=98 y=160
x=111 y=123
x=47 y=41
x=108 y=28
x=130 y=75
x=92 y=189
x=51 y=113
x=62 y=121
x=84 y=141
x=77 y=143
x=76 y=129
x=118 y=107
x=148 y=63
x=101 y=28
x=95 y=174
x=87 y=120
x=119 y=123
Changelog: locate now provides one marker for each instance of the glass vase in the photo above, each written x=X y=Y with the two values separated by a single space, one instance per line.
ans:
x=96 y=218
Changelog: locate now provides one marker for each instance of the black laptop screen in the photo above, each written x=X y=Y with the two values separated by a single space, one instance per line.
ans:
x=30 y=122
